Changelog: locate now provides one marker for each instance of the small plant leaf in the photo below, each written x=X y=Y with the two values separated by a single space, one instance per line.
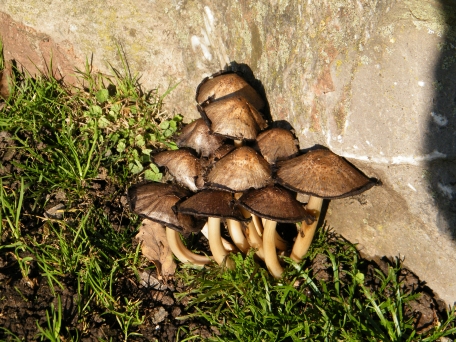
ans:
x=139 y=140
x=135 y=167
x=102 y=95
x=152 y=176
x=154 y=168
x=103 y=122
x=96 y=110
x=121 y=146
x=164 y=125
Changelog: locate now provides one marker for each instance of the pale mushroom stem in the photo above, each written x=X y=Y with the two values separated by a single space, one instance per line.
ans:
x=280 y=243
x=307 y=232
x=181 y=252
x=251 y=234
x=238 y=143
x=236 y=233
x=226 y=244
x=270 y=254
x=219 y=253
x=254 y=240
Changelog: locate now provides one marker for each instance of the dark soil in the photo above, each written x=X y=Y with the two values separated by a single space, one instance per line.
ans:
x=24 y=302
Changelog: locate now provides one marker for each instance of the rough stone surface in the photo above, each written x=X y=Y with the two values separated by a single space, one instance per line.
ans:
x=370 y=79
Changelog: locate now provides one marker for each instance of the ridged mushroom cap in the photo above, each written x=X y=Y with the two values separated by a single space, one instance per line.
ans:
x=322 y=173
x=184 y=167
x=240 y=170
x=276 y=144
x=222 y=85
x=197 y=136
x=233 y=117
x=212 y=203
x=276 y=204
x=155 y=202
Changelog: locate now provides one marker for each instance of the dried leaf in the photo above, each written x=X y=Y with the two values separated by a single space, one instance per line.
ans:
x=155 y=247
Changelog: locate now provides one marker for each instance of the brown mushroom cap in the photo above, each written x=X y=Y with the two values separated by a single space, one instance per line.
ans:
x=183 y=165
x=155 y=202
x=212 y=203
x=277 y=144
x=276 y=204
x=240 y=170
x=322 y=173
x=221 y=85
x=233 y=117
x=197 y=136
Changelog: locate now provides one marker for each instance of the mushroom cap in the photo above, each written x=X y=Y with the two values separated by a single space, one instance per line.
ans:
x=322 y=173
x=155 y=202
x=197 y=136
x=212 y=203
x=276 y=144
x=222 y=84
x=233 y=117
x=240 y=170
x=221 y=152
x=276 y=204
x=184 y=167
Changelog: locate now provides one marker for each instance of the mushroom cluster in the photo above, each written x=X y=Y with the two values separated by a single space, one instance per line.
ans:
x=232 y=168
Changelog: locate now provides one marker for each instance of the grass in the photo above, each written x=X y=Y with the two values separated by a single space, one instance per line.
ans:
x=83 y=146
x=247 y=305
x=67 y=142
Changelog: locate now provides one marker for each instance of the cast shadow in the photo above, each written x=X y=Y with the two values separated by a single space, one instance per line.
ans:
x=440 y=136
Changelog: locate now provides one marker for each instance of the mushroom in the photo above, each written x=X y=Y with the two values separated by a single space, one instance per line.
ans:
x=276 y=144
x=224 y=84
x=215 y=205
x=197 y=136
x=238 y=171
x=275 y=204
x=183 y=165
x=155 y=202
x=321 y=174
x=232 y=117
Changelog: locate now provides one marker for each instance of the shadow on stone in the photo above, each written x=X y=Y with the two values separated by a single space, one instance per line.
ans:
x=246 y=72
x=440 y=139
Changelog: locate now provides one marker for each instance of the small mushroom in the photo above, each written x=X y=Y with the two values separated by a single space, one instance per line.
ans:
x=321 y=174
x=276 y=144
x=233 y=117
x=184 y=167
x=215 y=205
x=197 y=136
x=155 y=202
x=240 y=170
x=224 y=84
x=275 y=204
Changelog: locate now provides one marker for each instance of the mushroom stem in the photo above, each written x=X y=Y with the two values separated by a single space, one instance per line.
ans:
x=226 y=244
x=238 y=143
x=254 y=239
x=237 y=234
x=251 y=233
x=280 y=243
x=181 y=252
x=307 y=232
x=270 y=254
x=219 y=252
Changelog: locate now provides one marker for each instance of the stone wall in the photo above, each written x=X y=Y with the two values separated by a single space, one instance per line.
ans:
x=370 y=79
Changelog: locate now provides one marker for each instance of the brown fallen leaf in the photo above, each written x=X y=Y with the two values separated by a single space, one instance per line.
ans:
x=155 y=247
